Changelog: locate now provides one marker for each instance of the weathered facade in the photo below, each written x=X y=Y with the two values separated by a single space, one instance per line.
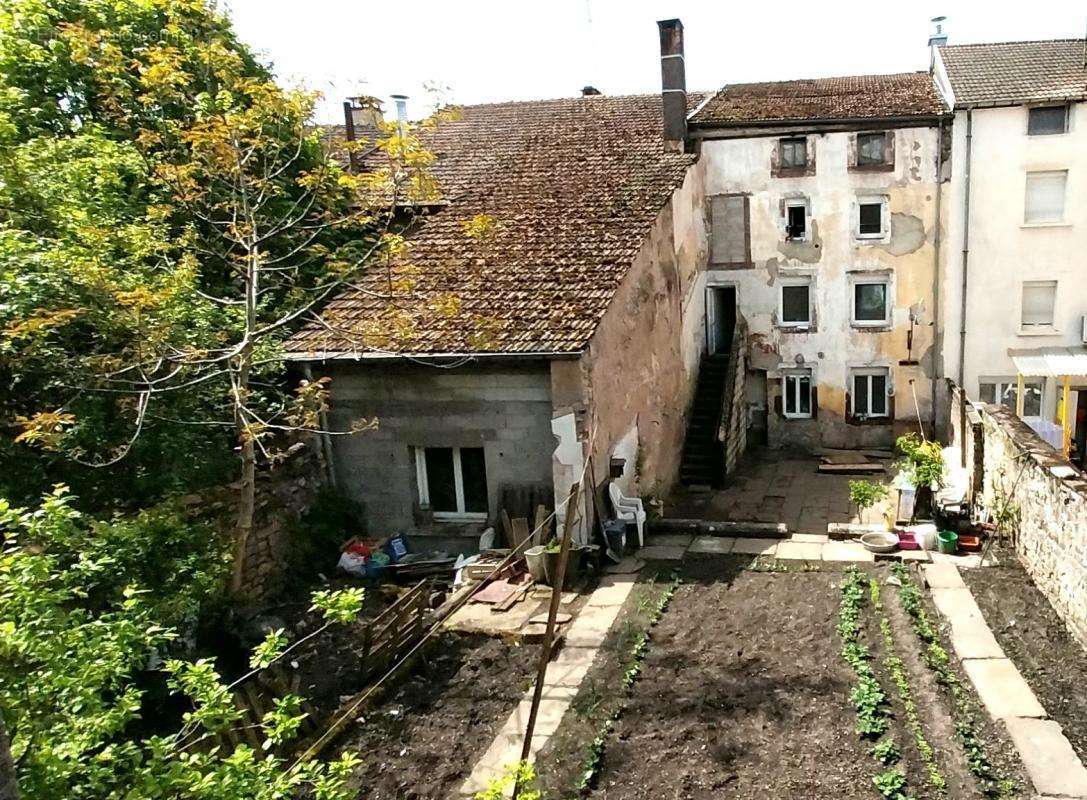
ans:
x=824 y=233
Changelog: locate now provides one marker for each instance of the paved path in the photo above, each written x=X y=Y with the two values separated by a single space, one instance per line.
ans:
x=564 y=676
x=1052 y=764
x=803 y=546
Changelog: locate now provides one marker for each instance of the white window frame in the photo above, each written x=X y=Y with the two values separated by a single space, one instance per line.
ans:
x=797 y=373
x=1067 y=119
x=884 y=217
x=1063 y=220
x=1004 y=383
x=798 y=202
x=458 y=486
x=888 y=301
x=1043 y=328
x=793 y=325
x=870 y=372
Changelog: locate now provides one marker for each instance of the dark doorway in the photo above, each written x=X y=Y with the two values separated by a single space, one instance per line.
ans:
x=720 y=318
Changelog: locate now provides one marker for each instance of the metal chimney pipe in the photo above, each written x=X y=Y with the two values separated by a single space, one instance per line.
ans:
x=673 y=84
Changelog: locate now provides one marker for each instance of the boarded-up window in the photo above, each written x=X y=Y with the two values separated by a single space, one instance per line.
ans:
x=730 y=243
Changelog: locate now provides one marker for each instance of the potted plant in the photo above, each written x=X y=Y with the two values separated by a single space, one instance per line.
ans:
x=864 y=495
x=923 y=468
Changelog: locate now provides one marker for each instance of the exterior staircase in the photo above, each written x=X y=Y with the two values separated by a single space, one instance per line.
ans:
x=703 y=455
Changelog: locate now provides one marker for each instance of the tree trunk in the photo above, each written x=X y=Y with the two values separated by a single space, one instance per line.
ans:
x=9 y=785
x=247 y=498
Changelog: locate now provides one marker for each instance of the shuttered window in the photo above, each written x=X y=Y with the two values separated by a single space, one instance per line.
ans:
x=1039 y=299
x=1045 y=196
x=730 y=232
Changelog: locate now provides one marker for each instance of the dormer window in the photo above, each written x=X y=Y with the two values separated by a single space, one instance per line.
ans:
x=1047 y=120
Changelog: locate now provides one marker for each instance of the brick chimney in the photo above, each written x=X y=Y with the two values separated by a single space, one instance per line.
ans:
x=673 y=84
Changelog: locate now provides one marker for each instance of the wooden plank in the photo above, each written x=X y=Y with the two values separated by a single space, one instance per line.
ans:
x=247 y=731
x=850 y=469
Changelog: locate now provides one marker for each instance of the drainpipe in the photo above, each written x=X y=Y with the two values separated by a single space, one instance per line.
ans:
x=326 y=439
x=965 y=247
x=937 y=350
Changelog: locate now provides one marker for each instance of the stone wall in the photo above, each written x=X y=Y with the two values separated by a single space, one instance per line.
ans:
x=1019 y=468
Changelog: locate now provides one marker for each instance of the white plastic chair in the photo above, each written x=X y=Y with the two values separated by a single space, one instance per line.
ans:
x=628 y=509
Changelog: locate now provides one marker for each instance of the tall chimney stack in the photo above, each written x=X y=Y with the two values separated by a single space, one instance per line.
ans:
x=673 y=84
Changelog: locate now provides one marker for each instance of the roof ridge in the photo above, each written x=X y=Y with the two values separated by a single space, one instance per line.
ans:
x=590 y=98
x=1078 y=39
x=829 y=78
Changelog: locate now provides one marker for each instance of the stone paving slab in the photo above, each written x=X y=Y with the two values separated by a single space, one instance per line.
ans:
x=970 y=561
x=806 y=551
x=1002 y=689
x=820 y=538
x=713 y=545
x=671 y=540
x=970 y=634
x=1050 y=761
x=846 y=551
x=612 y=591
x=943 y=576
x=759 y=547
x=662 y=552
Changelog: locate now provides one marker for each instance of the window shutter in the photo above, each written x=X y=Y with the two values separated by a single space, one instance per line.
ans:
x=1038 y=301
x=729 y=229
x=1045 y=196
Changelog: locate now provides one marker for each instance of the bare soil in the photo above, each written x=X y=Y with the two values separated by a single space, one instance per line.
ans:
x=743 y=694
x=1036 y=640
x=423 y=738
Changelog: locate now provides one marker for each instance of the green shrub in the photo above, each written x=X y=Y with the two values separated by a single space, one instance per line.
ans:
x=924 y=460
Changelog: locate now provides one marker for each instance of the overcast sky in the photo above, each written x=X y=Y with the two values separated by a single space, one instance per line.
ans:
x=486 y=51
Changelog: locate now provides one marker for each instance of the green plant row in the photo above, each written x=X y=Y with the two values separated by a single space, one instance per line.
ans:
x=937 y=659
x=868 y=698
x=905 y=695
x=634 y=659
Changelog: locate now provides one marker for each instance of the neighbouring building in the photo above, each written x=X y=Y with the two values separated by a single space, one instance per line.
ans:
x=1013 y=294
x=822 y=200
x=575 y=335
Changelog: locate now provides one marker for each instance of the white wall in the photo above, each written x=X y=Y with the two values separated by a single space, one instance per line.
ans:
x=835 y=346
x=1004 y=251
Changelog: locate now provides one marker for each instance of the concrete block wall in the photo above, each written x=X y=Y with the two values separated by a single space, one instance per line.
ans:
x=505 y=409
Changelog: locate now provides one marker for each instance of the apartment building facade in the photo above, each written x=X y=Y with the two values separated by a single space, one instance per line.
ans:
x=1014 y=290
x=822 y=199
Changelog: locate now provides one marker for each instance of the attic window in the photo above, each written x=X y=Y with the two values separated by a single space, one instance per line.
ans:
x=1047 y=121
x=871 y=149
x=794 y=153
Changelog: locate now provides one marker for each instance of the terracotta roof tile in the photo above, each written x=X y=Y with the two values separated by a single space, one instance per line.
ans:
x=1016 y=72
x=854 y=97
x=574 y=186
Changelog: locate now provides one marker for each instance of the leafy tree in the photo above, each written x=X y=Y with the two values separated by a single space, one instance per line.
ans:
x=80 y=629
x=213 y=223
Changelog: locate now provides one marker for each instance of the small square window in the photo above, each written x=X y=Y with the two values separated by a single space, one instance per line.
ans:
x=1039 y=301
x=870 y=218
x=796 y=305
x=1047 y=121
x=796 y=221
x=796 y=391
x=870 y=392
x=871 y=149
x=452 y=482
x=1045 y=197
x=793 y=153
x=871 y=304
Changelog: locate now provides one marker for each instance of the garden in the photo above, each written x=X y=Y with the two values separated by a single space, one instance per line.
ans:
x=761 y=678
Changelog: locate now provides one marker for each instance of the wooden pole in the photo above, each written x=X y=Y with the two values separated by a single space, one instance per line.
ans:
x=1020 y=400
x=572 y=512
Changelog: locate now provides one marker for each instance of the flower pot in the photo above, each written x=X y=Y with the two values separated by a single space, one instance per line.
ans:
x=948 y=542
x=536 y=558
x=573 y=567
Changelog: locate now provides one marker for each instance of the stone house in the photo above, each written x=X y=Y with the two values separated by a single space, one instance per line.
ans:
x=1013 y=284
x=574 y=335
x=823 y=201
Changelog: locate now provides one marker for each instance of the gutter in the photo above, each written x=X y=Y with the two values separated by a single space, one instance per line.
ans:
x=965 y=247
x=747 y=130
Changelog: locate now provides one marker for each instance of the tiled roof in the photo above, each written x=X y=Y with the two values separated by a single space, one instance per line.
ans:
x=903 y=94
x=573 y=186
x=1016 y=72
